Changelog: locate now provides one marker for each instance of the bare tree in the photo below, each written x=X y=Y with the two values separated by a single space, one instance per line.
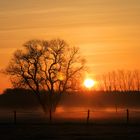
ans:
x=51 y=66
x=105 y=82
x=114 y=80
x=137 y=80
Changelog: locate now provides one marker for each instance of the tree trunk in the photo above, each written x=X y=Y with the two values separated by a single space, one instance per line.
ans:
x=43 y=106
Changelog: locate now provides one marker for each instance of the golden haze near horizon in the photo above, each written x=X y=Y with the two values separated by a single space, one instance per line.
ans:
x=106 y=31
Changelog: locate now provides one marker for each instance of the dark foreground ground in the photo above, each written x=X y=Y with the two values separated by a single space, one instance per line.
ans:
x=69 y=132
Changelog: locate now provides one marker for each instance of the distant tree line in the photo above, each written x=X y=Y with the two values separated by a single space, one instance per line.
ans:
x=21 y=99
x=120 y=80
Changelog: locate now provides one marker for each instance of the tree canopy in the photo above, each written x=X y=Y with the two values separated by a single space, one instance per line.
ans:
x=52 y=66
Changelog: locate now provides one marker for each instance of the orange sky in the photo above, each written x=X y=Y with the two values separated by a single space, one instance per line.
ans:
x=107 y=31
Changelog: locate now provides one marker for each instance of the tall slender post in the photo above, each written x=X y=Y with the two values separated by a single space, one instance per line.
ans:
x=127 y=116
x=116 y=108
x=88 y=116
x=15 y=117
x=50 y=115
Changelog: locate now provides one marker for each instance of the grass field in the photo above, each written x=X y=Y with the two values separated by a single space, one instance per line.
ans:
x=69 y=132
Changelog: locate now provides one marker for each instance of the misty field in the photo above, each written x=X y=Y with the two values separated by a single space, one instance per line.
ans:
x=74 y=115
x=71 y=123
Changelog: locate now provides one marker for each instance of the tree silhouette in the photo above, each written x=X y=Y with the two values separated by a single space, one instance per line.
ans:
x=49 y=66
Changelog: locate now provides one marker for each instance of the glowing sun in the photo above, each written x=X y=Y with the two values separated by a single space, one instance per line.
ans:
x=89 y=83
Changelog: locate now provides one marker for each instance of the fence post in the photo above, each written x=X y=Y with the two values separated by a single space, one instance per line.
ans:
x=50 y=117
x=127 y=116
x=88 y=116
x=15 y=117
x=116 y=108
